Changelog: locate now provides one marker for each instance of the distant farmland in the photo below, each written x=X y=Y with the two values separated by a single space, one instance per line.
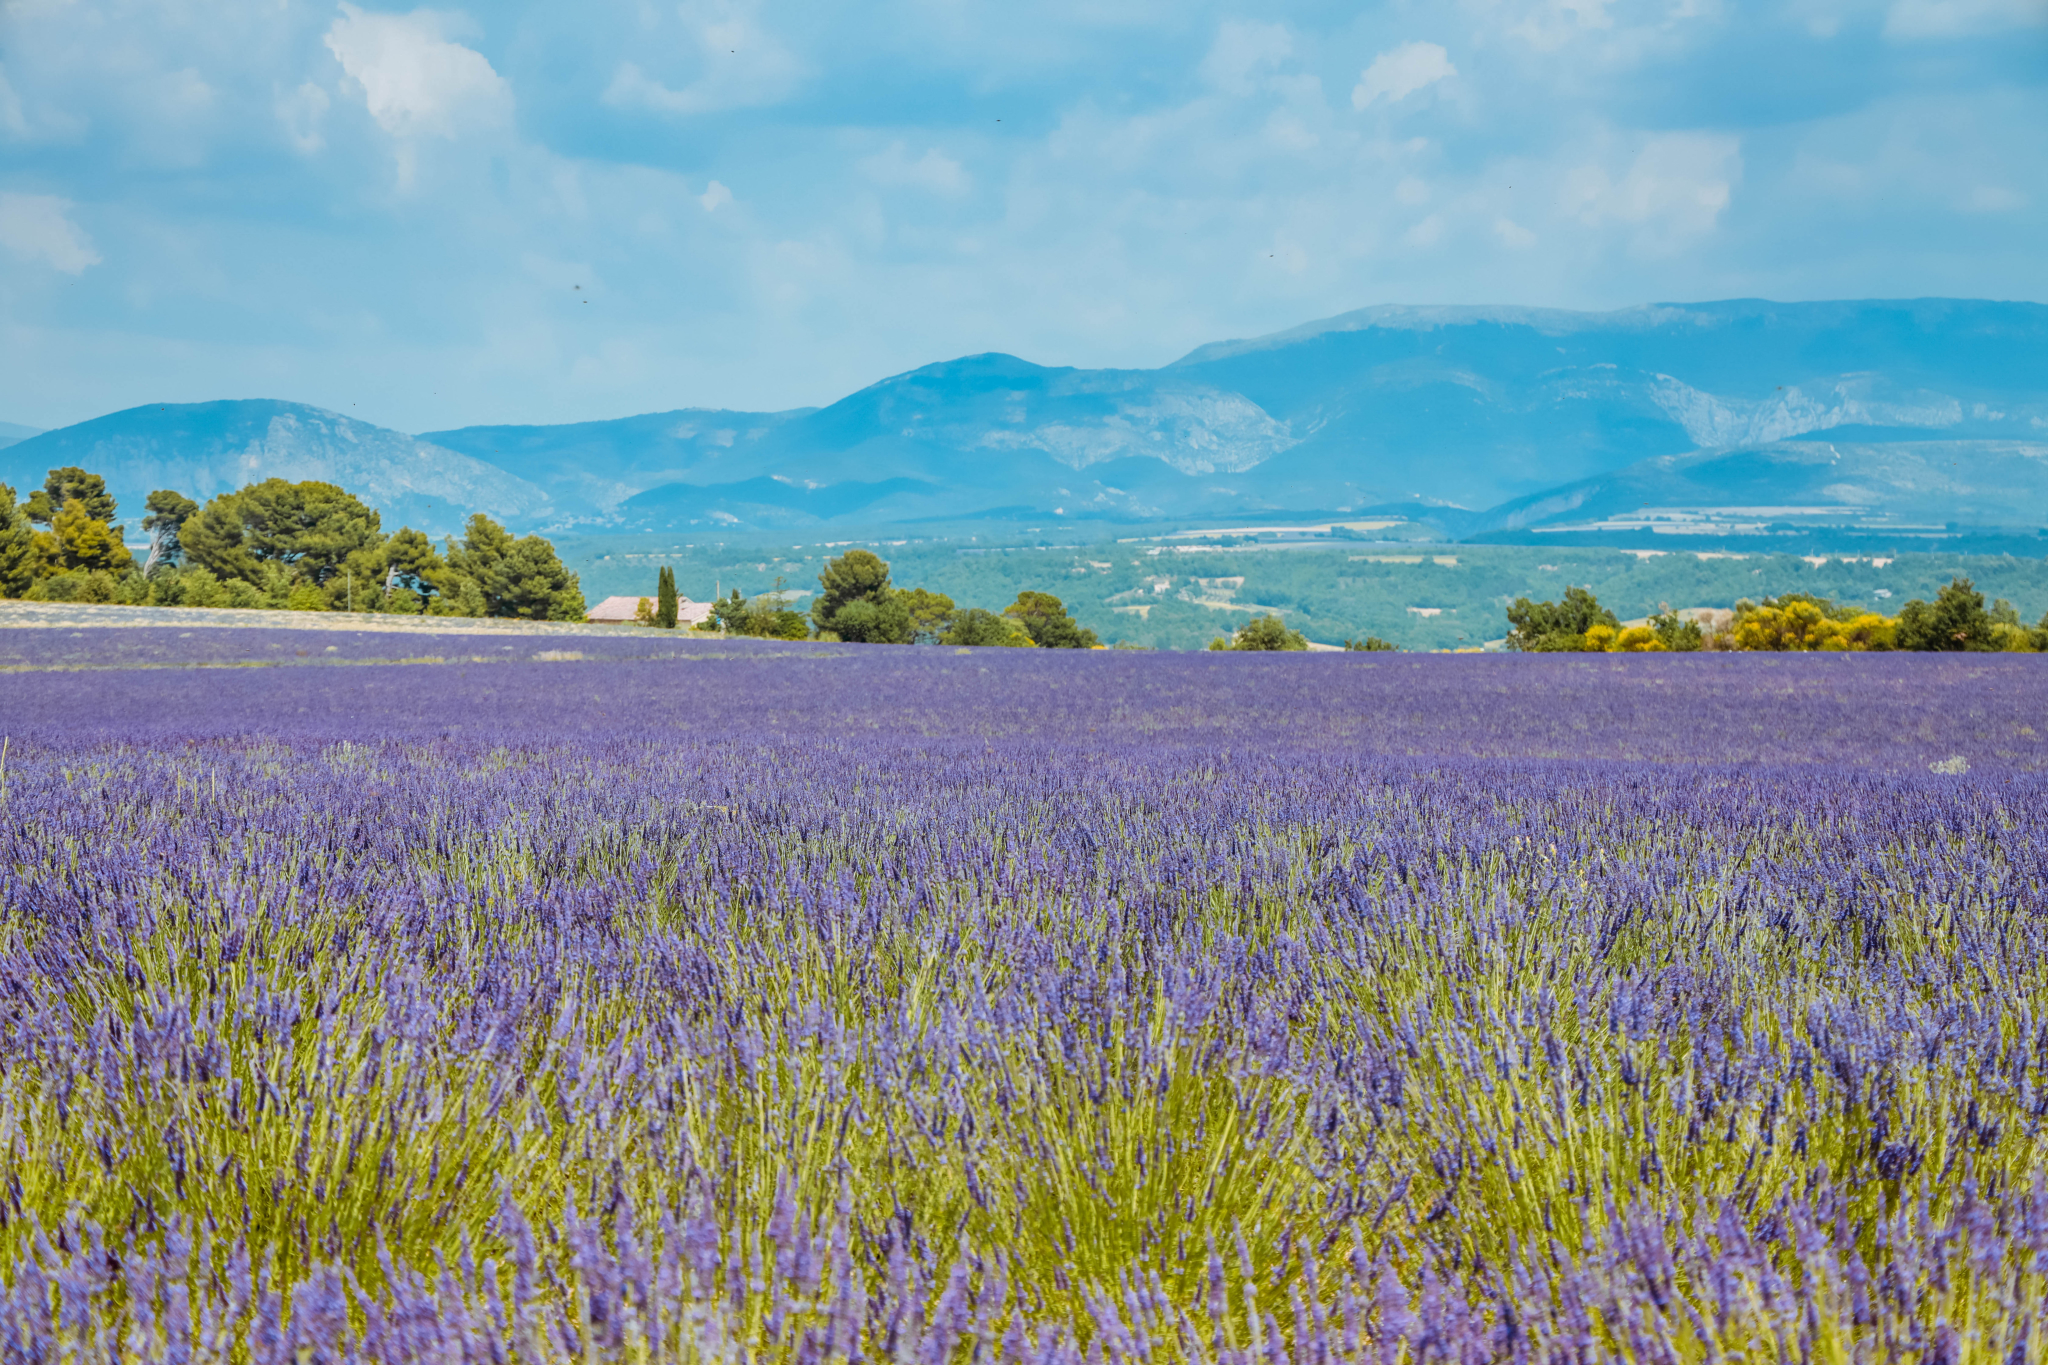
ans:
x=1420 y=596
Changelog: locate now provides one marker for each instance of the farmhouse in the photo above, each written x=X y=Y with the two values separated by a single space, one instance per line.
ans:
x=617 y=611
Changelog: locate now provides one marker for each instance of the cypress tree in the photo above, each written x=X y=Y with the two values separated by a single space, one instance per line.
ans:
x=665 y=606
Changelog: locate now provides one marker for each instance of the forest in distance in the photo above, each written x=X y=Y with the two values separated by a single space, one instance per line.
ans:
x=316 y=546
x=1417 y=597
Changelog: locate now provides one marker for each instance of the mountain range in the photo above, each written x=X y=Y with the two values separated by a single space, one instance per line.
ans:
x=201 y=449
x=1466 y=421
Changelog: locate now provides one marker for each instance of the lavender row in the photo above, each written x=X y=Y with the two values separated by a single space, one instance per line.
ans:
x=1895 y=713
x=1093 y=1009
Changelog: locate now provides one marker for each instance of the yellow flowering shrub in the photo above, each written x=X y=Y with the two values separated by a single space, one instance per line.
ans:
x=1639 y=640
x=1866 y=631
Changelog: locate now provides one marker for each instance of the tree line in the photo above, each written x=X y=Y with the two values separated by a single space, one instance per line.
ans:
x=857 y=603
x=1956 y=620
x=307 y=546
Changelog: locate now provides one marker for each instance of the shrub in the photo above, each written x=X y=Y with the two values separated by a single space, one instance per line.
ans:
x=1955 y=621
x=1557 y=627
x=1677 y=633
x=76 y=585
x=1045 y=619
x=243 y=595
x=1637 y=640
x=980 y=628
x=1264 y=633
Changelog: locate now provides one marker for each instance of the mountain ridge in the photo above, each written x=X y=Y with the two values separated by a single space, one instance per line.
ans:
x=1482 y=413
x=202 y=449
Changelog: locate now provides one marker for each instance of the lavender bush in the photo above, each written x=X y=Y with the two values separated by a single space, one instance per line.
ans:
x=815 y=1004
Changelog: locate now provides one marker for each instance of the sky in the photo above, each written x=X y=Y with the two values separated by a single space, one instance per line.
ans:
x=529 y=212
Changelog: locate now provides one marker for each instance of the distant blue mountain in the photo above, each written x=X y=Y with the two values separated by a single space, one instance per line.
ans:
x=12 y=433
x=201 y=449
x=1385 y=408
x=589 y=468
x=1854 y=484
x=1465 y=419
x=1477 y=405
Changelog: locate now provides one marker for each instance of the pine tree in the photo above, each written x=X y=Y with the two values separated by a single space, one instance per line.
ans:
x=86 y=542
x=66 y=486
x=522 y=578
x=855 y=602
x=78 y=511
x=413 y=568
x=665 y=609
x=168 y=510
x=1045 y=618
x=310 y=529
x=19 y=555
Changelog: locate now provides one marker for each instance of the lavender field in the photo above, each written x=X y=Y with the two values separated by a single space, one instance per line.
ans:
x=445 y=999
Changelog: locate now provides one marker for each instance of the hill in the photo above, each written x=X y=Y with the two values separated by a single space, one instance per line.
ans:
x=1449 y=422
x=1906 y=488
x=1480 y=406
x=589 y=468
x=1418 y=411
x=202 y=449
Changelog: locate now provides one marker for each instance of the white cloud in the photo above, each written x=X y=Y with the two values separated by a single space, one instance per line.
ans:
x=934 y=171
x=1549 y=24
x=415 y=82
x=301 y=113
x=632 y=88
x=181 y=94
x=743 y=67
x=1676 y=188
x=13 y=121
x=34 y=227
x=1286 y=130
x=1959 y=18
x=1995 y=199
x=1513 y=234
x=1242 y=52
x=1399 y=72
x=714 y=195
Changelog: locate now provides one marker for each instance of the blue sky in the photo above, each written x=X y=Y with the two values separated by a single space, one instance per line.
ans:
x=549 y=212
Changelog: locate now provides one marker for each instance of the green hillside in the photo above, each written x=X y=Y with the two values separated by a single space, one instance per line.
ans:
x=1420 y=597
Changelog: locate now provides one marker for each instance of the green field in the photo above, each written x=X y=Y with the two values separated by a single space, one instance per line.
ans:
x=1419 y=596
